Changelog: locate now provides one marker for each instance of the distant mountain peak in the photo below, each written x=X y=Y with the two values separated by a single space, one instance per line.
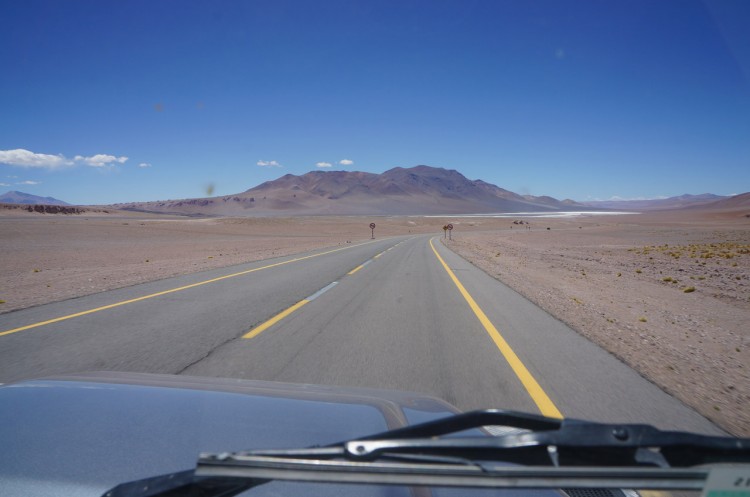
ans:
x=16 y=197
x=676 y=202
x=415 y=190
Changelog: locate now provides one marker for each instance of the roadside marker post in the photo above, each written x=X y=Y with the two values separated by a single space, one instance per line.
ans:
x=450 y=231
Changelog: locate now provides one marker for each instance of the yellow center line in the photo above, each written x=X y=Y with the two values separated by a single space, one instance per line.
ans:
x=543 y=402
x=355 y=269
x=173 y=290
x=278 y=317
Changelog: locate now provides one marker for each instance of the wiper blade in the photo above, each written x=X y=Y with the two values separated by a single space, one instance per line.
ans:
x=183 y=484
x=554 y=453
x=538 y=452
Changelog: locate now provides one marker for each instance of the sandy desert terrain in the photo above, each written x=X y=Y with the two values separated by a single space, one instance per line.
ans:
x=669 y=294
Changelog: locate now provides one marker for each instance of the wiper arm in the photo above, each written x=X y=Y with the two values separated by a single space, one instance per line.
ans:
x=554 y=453
x=570 y=443
x=546 y=453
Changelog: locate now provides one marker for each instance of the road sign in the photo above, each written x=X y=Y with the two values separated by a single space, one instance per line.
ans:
x=450 y=227
x=372 y=226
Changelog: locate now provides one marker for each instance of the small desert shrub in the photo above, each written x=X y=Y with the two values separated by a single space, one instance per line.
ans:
x=689 y=289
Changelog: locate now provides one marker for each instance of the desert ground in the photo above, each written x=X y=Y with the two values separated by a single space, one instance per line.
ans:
x=667 y=293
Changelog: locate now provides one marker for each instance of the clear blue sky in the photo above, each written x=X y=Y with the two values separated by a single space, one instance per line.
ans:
x=104 y=101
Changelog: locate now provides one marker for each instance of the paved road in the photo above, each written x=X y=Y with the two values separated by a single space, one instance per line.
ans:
x=402 y=313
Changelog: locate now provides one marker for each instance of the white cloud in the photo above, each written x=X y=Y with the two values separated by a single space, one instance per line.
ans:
x=29 y=182
x=269 y=163
x=144 y=164
x=101 y=160
x=4 y=184
x=24 y=158
x=323 y=164
x=346 y=162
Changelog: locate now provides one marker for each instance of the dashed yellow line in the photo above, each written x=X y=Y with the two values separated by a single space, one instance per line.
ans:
x=278 y=317
x=173 y=290
x=355 y=269
x=540 y=398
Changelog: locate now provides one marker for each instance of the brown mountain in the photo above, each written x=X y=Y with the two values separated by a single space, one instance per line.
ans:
x=398 y=191
x=736 y=205
x=16 y=197
x=741 y=201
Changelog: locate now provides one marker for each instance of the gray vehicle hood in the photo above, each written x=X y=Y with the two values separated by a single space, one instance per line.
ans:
x=83 y=434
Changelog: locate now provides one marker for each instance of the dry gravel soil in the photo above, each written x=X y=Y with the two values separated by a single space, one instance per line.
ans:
x=669 y=294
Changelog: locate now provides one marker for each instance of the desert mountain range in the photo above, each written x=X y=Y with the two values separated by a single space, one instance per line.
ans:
x=398 y=191
x=677 y=202
x=16 y=197
x=420 y=190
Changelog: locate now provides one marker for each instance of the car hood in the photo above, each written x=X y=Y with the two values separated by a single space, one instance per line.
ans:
x=83 y=434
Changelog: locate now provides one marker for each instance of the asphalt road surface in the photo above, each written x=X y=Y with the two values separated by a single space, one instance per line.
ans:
x=400 y=313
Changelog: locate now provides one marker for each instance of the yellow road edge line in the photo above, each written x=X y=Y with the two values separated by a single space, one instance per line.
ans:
x=278 y=317
x=173 y=290
x=535 y=391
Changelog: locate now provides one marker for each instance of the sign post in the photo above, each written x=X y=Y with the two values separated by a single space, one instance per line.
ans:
x=450 y=230
x=372 y=228
x=445 y=231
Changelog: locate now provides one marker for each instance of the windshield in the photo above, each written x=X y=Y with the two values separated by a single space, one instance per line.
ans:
x=541 y=207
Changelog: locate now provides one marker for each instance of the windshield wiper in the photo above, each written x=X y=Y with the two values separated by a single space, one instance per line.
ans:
x=538 y=452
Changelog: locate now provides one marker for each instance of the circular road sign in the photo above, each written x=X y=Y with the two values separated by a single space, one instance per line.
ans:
x=372 y=226
x=450 y=227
